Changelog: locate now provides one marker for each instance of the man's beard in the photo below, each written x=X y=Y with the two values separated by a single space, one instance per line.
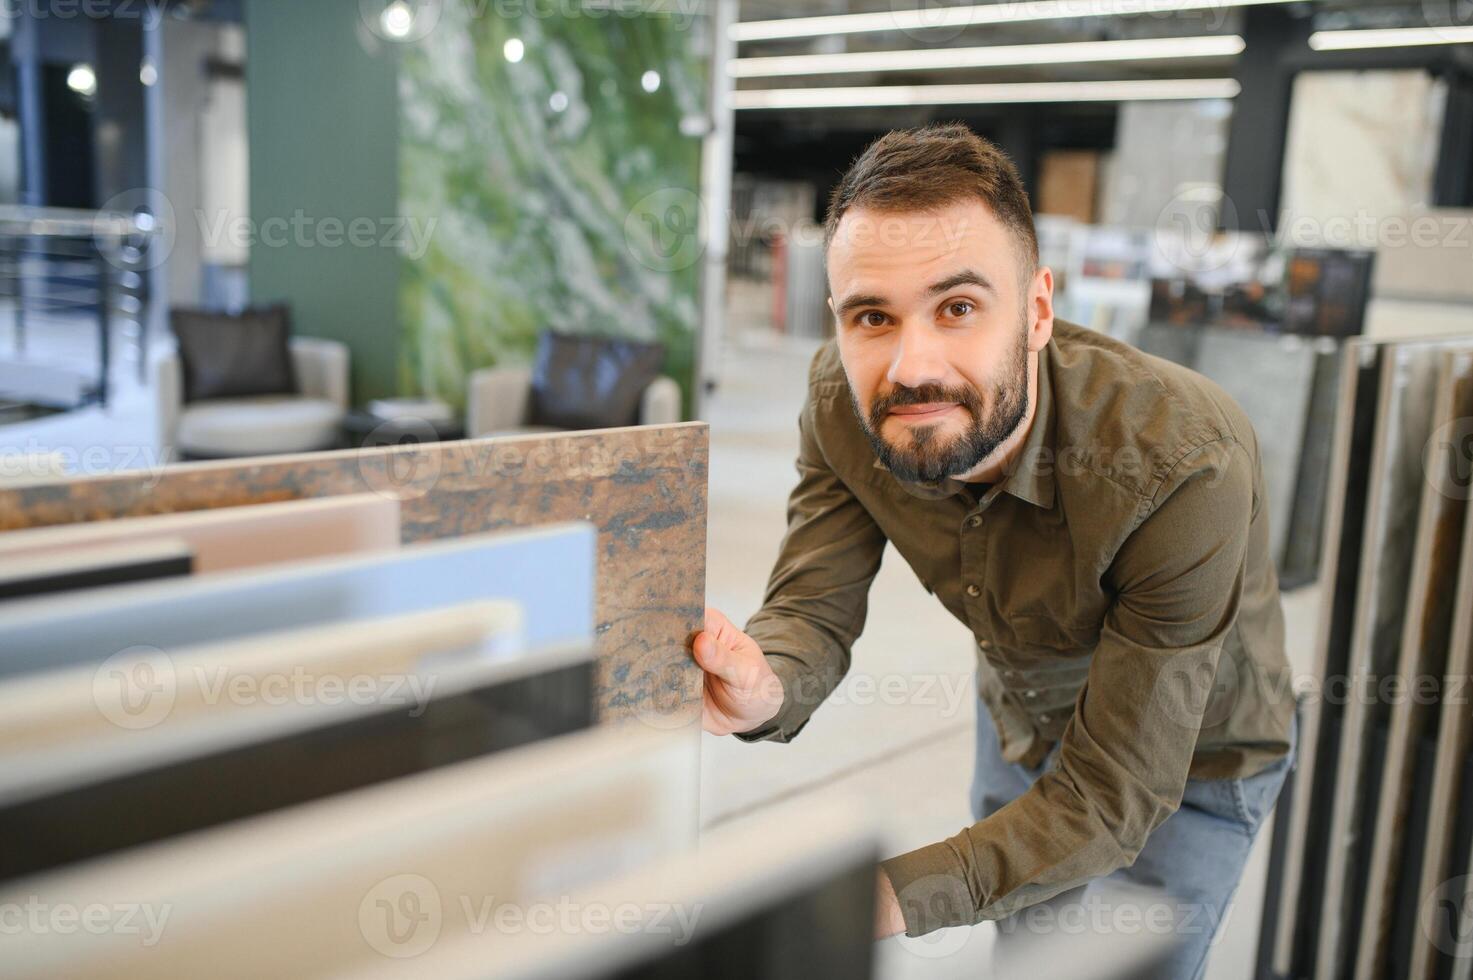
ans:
x=927 y=456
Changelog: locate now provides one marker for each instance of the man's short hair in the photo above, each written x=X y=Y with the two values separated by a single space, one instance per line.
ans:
x=930 y=167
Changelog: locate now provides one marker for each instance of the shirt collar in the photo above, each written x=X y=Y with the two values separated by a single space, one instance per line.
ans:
x=1031 y=476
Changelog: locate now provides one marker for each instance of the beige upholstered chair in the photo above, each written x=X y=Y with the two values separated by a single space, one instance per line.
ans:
x=263 y=424
x=499 y=402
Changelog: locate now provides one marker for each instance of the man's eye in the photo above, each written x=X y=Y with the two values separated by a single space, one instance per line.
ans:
x=959 y=308
x=874 y=318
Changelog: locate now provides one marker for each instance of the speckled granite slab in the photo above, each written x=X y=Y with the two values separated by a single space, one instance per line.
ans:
x=644 y=489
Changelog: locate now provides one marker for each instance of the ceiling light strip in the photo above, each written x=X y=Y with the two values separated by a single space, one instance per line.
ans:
x=1005 y=12
x=1392 y=38
x=1134 y=90
x=993 y=56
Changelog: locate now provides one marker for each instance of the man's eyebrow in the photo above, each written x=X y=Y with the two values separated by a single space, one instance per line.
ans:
x=964 y=278
x=855 y=302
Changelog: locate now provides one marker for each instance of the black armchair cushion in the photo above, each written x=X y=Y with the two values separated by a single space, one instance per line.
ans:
x=228 y=355
x=586 y=382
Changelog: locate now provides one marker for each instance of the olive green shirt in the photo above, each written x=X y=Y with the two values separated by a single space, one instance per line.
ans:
x=1120 y=588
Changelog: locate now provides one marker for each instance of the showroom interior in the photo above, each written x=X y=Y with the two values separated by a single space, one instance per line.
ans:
x=387 y=388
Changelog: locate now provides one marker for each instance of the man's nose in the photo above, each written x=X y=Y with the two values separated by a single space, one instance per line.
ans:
x=919 y=357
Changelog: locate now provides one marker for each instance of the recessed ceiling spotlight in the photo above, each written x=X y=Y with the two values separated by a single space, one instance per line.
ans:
x=397 y=20
x=82 y=80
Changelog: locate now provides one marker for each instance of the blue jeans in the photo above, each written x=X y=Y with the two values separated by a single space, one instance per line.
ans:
x=1196 y=856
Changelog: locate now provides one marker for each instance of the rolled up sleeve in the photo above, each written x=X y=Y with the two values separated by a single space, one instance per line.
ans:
x=1124 y=756
x=818 y=594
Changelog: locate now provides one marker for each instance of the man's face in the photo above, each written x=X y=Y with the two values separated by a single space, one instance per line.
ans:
x=938 y=319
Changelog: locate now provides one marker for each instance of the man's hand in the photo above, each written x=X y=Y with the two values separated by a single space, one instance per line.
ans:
x=741 y=692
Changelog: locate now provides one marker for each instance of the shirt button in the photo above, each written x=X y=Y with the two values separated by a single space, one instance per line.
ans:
x=984 y=644
x=973 y=591
x=974 y=521
x=1030 y=694
x=1044 y=719
x=1011 y=675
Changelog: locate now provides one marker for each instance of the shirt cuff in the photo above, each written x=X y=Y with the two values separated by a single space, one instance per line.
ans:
x=931 y=885
x=787 y=723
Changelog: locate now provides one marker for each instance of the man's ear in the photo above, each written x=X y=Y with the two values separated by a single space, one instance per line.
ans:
x=1040 y=308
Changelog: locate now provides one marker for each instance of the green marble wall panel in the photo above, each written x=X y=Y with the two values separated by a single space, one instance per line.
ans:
x=563 y=189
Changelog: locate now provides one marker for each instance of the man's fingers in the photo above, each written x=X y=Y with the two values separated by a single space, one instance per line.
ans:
x=741 y=691
x=715 y=646
x=714 y=657
x=708 y=652
x=719 y=626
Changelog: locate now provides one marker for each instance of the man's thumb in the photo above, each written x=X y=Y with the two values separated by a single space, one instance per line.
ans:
x=714 y=658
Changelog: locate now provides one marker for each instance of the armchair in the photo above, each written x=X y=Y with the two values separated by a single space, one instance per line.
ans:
x=499 y=402
x=262 y=424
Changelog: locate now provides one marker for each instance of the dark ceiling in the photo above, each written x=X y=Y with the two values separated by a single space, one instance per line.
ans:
x=815 y=144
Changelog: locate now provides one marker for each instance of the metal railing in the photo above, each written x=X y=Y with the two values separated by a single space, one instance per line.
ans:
x=61 y=265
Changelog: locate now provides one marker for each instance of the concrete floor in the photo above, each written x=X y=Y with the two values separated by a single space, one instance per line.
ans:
x=904 y=756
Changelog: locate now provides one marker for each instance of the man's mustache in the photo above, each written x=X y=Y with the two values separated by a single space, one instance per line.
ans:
x=881 y=406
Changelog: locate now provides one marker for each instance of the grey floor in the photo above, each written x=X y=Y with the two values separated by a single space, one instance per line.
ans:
x=93 y=440
x=896 y=739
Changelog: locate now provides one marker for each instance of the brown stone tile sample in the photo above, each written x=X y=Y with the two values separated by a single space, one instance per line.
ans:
x=643 y=488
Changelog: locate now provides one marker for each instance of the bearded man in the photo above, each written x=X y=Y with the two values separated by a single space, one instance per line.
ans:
x=1094 y=515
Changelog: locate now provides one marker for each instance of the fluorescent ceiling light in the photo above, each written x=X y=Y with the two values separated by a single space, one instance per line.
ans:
x=1142 y=49
x=1003 y=12
x=1395 y=38
x=908 y=95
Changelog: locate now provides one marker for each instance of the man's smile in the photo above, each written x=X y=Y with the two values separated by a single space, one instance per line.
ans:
x=923 y=413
